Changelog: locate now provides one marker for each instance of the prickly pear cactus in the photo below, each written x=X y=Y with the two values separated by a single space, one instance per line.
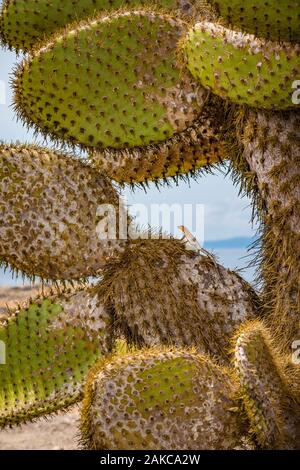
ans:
x=198 y=149
x=147 y=104
x=50 y=206
x=162 y=399
x=130 y=401
x=51 y=343
x=170 y=399
x=277 y=21
x=242 y=68
x=197 y=302
x=44 y=17
x=154 y=91
x=162 y=101
x=272 y=409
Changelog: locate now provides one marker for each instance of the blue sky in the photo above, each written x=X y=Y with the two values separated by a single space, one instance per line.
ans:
x=226 y=214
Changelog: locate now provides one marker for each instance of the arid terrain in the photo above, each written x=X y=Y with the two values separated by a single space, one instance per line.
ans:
x=55 y=433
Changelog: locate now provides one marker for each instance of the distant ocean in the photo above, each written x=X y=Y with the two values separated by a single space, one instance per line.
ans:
x=237 y=258
x=232 y=258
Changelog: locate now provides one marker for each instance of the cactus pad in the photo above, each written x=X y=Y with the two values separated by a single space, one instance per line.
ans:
x=201 y=146
x=161 y=400
x=242 y=68
x=50 y=346
x=275 y=20
x=49 y=214
x=112 y=82
x=196 y=302
x=272 y=411
x=25 y=22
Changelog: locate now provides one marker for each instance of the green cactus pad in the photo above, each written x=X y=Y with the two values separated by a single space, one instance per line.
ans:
x=242 y=68
x=196 y=303
x=273 y=412
x=112 y=82
x=50 y=214
x=50 y=346
x=161 y=400
x=24 y=22
x=200 y=147
x=277 y=20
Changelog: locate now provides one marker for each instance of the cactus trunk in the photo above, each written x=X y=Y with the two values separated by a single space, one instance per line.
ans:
x=270 y=405
x=271 y=148
x=165 y=294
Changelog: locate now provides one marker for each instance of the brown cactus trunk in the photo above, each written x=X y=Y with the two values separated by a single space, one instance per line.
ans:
x=271 y=148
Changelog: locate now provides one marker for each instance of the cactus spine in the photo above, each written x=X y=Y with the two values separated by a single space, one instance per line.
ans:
x=164 y=398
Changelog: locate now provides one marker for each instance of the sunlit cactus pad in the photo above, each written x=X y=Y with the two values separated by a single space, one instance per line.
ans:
x=24 y=22
x=242 y=68
x=277 y=20
x=49 y=206
x=50 y=345
x=162 y=400
x=199 y=147
x=112 y=82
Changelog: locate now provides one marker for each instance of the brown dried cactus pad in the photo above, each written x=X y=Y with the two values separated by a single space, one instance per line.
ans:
x=50 y=208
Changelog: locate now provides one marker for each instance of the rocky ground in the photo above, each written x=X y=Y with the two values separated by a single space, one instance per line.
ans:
x=55 y=433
